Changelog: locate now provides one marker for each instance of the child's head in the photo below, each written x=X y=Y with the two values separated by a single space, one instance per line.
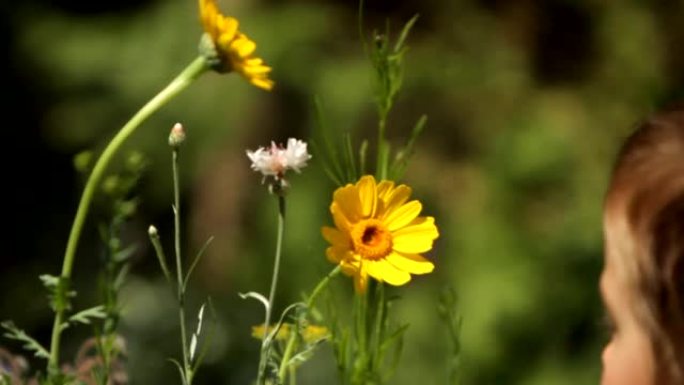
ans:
x=643 y=279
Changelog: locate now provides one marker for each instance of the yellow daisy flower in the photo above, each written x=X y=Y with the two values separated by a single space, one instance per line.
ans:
x=283 y=332
x=234 y=49
x=379 y=233
x=311 y=333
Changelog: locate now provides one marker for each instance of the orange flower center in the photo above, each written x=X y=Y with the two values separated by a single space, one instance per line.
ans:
x=371 y=239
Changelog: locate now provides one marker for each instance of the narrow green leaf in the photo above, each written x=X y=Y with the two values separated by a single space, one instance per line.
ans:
x=49 y=281
x=325 y=164
x=121 y=276
x=401 y=160
x=208 y=337
x=305 y=354
x=396 y=338
x=399 y=45
x=180 y=370
x=352 y=173
x=30 y=344
x=331 y=154
x=197 y=259
x=363 y=153
x=125 y=254
x=448 y=311
x=159 y=251
x=198 y=330
x=88 y=315
x=258 y=297
x=281 y=320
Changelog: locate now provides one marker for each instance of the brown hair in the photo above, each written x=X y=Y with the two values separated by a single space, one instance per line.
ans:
x=644 y=216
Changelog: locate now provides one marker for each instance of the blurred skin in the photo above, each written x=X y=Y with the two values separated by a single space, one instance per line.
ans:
x=628 y=356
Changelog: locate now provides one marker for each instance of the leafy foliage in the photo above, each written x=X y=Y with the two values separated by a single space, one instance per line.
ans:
x=30 y=344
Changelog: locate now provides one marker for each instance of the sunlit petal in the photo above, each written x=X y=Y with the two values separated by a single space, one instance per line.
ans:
x=403 y=215
x=411 y=263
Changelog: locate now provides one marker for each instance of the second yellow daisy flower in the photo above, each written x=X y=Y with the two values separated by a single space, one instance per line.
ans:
x=378 y=233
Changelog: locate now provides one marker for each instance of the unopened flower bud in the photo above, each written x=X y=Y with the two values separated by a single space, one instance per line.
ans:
x=177 y=135
x=152 y=232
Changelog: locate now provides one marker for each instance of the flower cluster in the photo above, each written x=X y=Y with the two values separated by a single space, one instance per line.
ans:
x=233 y=49
x=276 y=160
x=379 y=233
x=311 y=333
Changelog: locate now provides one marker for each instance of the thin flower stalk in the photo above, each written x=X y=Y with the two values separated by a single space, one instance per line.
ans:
x=187 y=377
x=266 y=343
x=273 y=162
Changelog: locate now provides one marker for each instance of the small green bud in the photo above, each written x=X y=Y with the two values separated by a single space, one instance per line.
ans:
x=128 y=208
x=177 y=135
x=135 y=161
x=82 y=161
x=111 y=184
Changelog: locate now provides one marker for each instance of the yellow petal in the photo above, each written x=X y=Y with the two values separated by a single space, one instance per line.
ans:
x=394 y=198
x=208 y=11
x=255 y=61
x=410 y=263
x=351 y=266
x=347 y=200
x=340 y=219
x=367 y=196
x=417 y=237
x=335 y=237
x=227 y=28
x=265 y=84
x=231 y=26
x=337 y=254
x=242 y=46
x=402 y=216
x=256 y=70
x=384 y=271
x=384 y=188
x=361 y=279
x=224 y=41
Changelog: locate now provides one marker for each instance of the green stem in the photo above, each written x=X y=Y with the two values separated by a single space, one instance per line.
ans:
x=378 y=328
x=265 y=345
x=291 y=342
x=179 y=268
x=293 y=376
x=383 y=149
x=322 y=285
x=182 y=81
x=363 y=311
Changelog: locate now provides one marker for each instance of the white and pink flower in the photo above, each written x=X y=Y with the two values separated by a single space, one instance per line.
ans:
x=276 y=160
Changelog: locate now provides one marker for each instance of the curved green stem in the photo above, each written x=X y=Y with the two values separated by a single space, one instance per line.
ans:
x=291 y=343
x=322 y=285
x=182 y=81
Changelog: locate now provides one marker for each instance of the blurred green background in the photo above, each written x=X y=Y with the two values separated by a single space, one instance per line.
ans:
x=527 y=102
